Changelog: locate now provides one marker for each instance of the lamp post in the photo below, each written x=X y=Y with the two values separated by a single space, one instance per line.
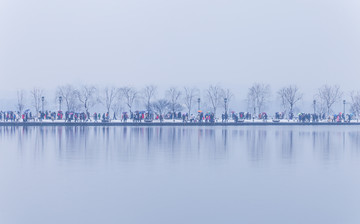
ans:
x=314 y=102
x=344 y=102
x=60 y=100
x=42 y=103
x=198 y=103
x=225 y=101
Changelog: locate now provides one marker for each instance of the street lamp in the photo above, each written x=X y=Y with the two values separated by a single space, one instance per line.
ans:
x=225 y=101
x=42 y=103
x=60 y=100
x=344 y=102
x=198 y=103
x=314 y=102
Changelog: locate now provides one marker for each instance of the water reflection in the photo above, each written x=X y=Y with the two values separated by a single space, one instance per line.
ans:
x=104 y=174
x=256 y=140
x=258 y=144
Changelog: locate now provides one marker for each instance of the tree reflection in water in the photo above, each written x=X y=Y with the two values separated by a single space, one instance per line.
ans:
x=183 y=143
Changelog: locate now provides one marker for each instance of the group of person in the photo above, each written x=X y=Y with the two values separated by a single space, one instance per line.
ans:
x=336 y=118
x=9 y=116
x=145 y=116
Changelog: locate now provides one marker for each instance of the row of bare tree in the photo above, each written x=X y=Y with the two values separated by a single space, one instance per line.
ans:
x=87 y=96
x=323 y=101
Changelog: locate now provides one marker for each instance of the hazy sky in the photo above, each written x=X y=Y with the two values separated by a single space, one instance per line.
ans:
x=138 y=42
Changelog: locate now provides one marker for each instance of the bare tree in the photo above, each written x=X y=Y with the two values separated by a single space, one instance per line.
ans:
x=87 y=96
x=20 y=101
x=174 y=97
x=227 y=95
x=69 y=95
x=108 y=97
x=290 y=95
x=214 y=96
x=36 y=95
x=329 y=95
x=130 y=95
x=258 y=96
x=190 y=97
x=149 y=93
x=160 y=106
x=355 y=103
x=117 y=108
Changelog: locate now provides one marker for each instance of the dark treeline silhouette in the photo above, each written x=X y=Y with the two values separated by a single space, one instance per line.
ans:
x=88 y=103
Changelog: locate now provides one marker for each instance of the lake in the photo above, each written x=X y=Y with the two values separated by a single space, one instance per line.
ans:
x=270 y=174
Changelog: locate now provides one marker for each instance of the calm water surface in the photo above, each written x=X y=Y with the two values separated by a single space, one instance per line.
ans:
x=179 y=175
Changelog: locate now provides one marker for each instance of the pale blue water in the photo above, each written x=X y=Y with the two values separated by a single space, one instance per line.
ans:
x=180 y=175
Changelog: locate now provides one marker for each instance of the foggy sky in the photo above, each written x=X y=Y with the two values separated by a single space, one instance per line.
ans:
x=190 y=42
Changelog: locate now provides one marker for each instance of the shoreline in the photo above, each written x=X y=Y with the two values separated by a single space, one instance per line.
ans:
x=169 y=124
